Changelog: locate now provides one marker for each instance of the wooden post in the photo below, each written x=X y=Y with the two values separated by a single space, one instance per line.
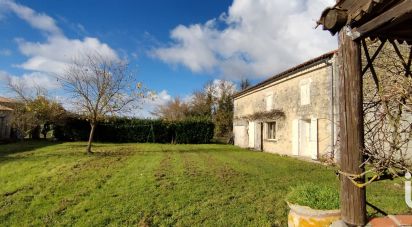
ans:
x=352 y=198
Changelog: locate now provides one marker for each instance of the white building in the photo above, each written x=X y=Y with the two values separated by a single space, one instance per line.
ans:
x=291 y=113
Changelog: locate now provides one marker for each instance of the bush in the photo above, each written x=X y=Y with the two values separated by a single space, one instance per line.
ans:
x=192 y=131
x=73 y=129
x=121 y=130
x=320 y=197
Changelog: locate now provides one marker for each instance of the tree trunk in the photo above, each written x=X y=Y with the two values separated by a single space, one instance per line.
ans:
x=352 y=198
x=89 y=145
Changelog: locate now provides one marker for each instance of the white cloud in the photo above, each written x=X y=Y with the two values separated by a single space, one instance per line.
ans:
x=150 y=104
x=259 y=38
x=53 y=55
x=37 y=20
x=3 y=76
x=218 y=86
x=29 y=81
x=36 y=80
x=3 y=82
x=5 y=52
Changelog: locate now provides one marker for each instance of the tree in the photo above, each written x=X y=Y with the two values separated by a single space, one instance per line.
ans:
x=224 y=112
x=201 y=105
x=173 y=110
x=214 y=102
x=34 y=111
x=100 y=87
x=244 y=84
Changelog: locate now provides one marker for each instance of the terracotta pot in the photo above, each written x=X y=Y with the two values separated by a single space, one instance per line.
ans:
x=303 y=216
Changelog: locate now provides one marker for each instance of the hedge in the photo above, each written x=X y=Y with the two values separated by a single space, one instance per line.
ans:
x=121 y=130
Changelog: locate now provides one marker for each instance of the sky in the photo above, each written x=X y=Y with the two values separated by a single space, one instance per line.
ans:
x=174 y=47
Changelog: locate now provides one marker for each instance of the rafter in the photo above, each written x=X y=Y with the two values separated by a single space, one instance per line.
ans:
x=370 y=62
x=398 y=52
x=373 y=57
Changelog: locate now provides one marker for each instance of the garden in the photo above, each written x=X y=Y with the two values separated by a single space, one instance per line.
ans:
x=50 y=183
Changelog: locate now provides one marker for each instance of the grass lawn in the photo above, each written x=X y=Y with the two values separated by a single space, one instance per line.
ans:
x=43 y=183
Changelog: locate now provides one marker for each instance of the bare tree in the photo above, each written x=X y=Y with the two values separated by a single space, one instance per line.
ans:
x=244 y=84
x=33 y=109
x=101 y=87
x=174 y=110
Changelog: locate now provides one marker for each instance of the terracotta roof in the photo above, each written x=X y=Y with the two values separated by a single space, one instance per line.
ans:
x=286 y=73
x=4 y=108
x=7 y=100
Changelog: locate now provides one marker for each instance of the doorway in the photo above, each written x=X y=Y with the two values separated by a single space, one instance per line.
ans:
x=251 y=132
x=304 y=138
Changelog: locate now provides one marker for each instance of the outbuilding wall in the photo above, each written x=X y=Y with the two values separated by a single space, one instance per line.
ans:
x=286 y=93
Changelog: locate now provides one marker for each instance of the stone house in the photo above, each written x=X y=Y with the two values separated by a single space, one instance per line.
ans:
x=292 y=113
x=6 y=112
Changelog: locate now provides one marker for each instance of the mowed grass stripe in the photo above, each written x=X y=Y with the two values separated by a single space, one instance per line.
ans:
x=158 y=185
x=128 y=197
x=30 y=165
x=49 y=194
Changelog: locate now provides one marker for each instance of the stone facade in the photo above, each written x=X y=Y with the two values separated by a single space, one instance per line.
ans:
x=5 y=117
x=293 y=113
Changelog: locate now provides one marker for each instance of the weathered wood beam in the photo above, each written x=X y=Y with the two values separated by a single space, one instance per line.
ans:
x=333 y=20
x=370 y=63
x=352 y=5
x=374 y=57
x=390 y=16
x=408 y=68
x=398 y=52
x=352 y=198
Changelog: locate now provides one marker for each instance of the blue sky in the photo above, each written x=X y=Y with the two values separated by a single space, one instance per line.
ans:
x=173 y=46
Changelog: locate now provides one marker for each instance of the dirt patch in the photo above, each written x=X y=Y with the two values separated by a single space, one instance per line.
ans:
x=145 y=222
x=191 y=168
x=11 y=193
x=221 y=170
x=226 y=174
x=163 y=173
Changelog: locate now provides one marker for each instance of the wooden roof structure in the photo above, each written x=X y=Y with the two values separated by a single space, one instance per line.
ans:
x=356 y=21
x=384 y=19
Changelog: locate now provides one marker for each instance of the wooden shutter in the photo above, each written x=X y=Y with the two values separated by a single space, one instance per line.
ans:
x=295 y=137
x=314 y=138
x=251 y=132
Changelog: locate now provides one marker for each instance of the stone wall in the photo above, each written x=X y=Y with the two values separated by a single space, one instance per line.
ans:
x=5 y=129
x=286 y=94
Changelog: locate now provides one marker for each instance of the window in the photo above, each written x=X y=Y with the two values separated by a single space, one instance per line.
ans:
x=269 y=102
x=305 y=94
x=271 y=130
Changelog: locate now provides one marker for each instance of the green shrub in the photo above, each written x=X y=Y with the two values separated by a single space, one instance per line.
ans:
x=73 y=129
x=123 y=130
x=320 y=197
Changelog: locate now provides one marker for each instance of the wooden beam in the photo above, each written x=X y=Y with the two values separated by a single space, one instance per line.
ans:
x=373 y=57
x=408 y=67
x=370 y=63
x=398 y=52
x=352 y=198
x=333 y=20
x=390 y=17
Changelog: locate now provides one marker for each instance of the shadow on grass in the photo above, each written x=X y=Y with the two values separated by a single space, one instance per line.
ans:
x=11 y=151
x=24 y=146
